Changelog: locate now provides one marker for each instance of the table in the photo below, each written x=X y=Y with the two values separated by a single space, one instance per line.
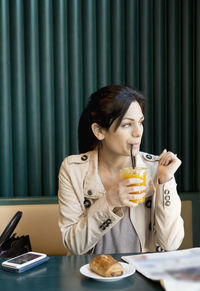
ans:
x=62 y=273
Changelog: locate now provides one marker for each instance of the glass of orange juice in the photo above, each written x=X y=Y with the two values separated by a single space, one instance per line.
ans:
x=137 y=172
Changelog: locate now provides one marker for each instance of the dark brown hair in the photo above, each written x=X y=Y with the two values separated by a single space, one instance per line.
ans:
x=105 y=106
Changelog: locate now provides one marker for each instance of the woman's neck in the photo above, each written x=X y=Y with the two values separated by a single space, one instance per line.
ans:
x=109 y=166
x=112 y=162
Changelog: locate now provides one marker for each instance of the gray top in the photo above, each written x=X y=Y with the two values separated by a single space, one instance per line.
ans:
x=122 y=238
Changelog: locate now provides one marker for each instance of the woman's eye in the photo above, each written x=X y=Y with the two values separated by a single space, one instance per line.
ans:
x=126 y=125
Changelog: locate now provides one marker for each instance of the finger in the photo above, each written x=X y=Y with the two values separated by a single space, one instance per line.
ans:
x=132 y=199
x=137 y=189
x=130 y=181
x=168 y=158
x=135 y=196
x=162 y=154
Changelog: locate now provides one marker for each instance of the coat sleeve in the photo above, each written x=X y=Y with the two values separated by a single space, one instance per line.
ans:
x=168 y=224
x=81 y=228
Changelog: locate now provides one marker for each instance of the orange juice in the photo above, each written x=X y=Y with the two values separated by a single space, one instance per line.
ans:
x=136 y=173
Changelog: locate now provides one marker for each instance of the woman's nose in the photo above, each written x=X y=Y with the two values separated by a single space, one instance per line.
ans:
x=137 y=131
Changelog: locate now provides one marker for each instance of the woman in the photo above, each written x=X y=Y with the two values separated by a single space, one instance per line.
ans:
x=96 y=214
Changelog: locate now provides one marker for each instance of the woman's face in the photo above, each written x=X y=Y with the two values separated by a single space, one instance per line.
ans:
x=129 y=132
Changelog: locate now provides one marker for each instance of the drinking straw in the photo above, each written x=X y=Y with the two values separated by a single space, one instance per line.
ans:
x=133 y=161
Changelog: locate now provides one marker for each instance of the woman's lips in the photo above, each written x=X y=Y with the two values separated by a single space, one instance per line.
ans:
x=135 y=145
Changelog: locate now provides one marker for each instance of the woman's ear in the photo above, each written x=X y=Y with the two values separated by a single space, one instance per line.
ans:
x=98 y=131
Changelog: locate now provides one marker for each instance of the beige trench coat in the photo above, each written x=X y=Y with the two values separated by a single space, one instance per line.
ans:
x=84 y=215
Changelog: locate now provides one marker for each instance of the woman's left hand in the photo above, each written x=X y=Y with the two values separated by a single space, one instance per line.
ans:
x=168 y=165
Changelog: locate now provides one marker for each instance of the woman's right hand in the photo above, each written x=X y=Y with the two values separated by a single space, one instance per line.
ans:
x=119 y=193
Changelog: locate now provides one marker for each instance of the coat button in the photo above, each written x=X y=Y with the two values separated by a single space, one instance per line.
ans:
x=87 y=203
x=159 y=249
x=149 y=157
x=108 y=221
x=167 y=203
x=84 y=157
x=89 y=192
x=167 y=197
x=148 y=203
x=103 y=226
x=166 y=191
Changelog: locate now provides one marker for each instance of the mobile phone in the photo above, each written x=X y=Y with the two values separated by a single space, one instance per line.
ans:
x=24 y=262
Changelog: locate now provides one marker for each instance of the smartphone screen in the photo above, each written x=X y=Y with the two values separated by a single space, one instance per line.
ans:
x=24 y=258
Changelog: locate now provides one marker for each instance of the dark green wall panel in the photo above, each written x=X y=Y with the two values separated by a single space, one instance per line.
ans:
x=47 y=97
x=159 y=76
x=174 y=74
x=6 y=161
x=61 y=82
x=103 y=43
x=89 y=49
x=146 y=65
x=131 y=52
x=187 y=78
x=75 y=69
x=196 y=123
x=18 y=97
x=55 y=53
x=32 y=79
x=117 y=41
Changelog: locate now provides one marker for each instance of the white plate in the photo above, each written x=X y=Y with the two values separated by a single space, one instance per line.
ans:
x=128 y=271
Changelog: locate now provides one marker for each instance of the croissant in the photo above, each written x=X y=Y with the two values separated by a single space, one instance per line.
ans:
x=106 y=266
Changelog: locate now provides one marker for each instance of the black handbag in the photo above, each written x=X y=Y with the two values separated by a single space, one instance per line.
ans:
x=12 y=246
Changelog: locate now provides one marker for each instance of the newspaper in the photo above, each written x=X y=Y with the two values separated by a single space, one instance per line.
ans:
x=176 y=270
